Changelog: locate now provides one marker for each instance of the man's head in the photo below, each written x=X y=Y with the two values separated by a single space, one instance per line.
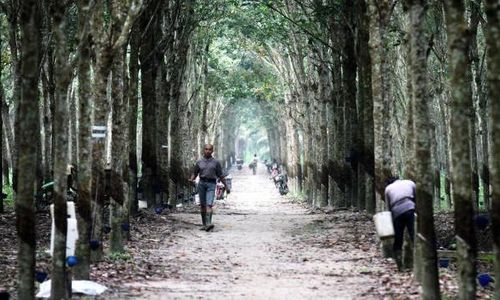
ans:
x=208 y=149
x=391 y=179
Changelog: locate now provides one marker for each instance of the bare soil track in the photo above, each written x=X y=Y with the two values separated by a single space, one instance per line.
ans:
x=265 y=246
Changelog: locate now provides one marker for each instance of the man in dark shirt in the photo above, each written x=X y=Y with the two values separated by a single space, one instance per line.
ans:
x=209 y=169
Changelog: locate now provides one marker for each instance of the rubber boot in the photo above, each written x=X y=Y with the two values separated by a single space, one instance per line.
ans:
x=210 y=226
x=398 y=257
x=203 y=220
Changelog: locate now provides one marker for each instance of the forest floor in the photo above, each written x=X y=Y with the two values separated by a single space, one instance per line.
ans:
x=264 y=246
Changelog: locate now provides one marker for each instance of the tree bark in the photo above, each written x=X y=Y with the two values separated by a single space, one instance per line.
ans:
x=119 y=152
x=133 y=100
x=381 y=88
x=26 y=129
x=48 y=88
x=477 y=60
x=2 y=96
x=424 y=172
x=99 y=128
x=133 y=111
x=84 y=166
x=461 y=171
x=366 y=109
x=147 y=56
x=492 y=7
x=60 y=288
x=177 y=60
x=16 y=88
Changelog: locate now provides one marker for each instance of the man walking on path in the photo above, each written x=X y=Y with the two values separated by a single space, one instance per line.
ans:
x=209 y=169
x=400 y=199
x=254 y=163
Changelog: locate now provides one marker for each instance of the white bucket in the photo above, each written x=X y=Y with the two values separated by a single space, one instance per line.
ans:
x=71 y=233
x=143 y=204
x=383 y=224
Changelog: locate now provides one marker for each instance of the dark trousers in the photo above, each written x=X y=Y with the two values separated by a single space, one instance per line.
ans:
x=405 y=220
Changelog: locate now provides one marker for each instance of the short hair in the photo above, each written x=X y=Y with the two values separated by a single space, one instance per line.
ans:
x=391 y=179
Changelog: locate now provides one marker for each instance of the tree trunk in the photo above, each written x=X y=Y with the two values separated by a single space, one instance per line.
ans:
x=16 y=88
x=336 y=187
x=176 y=69
x=119 y=167
x=60 y=288
x=149 y=23
x=458 y=43
x=349 y=87
x=492 y=8
x=48 y=97
x=381 y=87
x=99 y=129
x=365 y=163
x=162 y=127
x=84 y=167
x=133 y=111
x=2 y=96
x=324 y=94
x=26 y=129
x=424 y=172
x=477 y=61
x=5 y=156
x=73 y=136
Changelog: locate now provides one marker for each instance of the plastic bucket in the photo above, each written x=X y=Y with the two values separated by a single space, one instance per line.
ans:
x=383 y=224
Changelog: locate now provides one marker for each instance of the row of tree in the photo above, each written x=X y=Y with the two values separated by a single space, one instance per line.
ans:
x=79 y=78
x=382 y=88
x=350 y=92
x=374 y=89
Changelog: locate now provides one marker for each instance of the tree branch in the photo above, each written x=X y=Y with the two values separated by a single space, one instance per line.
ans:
x=133 y=13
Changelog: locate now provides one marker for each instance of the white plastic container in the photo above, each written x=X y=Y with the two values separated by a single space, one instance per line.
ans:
x=72 y=230
x=383 y=224
x=143 y=204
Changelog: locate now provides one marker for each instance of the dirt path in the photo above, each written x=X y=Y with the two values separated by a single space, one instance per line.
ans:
x=258 y=250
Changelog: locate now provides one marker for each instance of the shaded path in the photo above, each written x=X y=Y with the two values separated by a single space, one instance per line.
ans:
x=263 y=247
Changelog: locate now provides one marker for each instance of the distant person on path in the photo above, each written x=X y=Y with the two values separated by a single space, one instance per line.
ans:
x=254 y=164
x=209 y=169
x=400 y=199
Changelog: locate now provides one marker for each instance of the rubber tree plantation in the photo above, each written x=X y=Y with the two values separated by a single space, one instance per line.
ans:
x=107 y=105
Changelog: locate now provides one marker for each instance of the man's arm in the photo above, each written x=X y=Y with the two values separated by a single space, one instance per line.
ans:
x=222 y=177
x=196 y=171
x=223 y=180
x=386 y=198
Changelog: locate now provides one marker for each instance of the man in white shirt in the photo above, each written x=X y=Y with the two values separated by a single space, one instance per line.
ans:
x=400 y=199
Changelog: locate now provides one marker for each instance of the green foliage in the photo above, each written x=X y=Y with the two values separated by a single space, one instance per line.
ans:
x=119 y=256
x=9 y=201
